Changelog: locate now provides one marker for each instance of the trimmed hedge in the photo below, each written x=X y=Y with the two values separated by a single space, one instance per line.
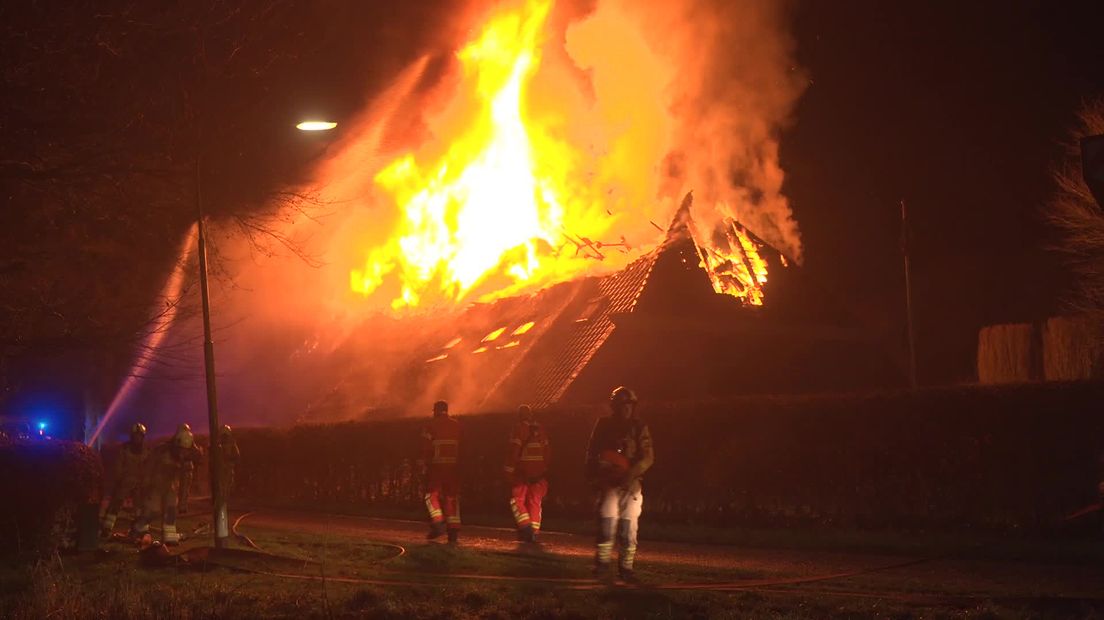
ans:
x=999 y=458
x=43 y=485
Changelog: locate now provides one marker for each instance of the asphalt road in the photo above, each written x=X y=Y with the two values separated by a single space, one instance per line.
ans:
x=877 y=575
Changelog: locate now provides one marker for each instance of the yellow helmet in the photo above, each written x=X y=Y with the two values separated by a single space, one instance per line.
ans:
x=138 y=429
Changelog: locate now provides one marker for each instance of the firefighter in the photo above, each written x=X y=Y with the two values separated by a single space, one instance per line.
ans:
x=527 y=456
x=618 y=454
x=162 y=482
x=229 y=453
x=192 y=457
x=438 y=464
x=127 y=476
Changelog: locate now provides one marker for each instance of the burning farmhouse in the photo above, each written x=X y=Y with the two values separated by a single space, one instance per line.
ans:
x=522 y=260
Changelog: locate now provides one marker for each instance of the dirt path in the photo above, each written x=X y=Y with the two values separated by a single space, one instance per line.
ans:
x=854 y=573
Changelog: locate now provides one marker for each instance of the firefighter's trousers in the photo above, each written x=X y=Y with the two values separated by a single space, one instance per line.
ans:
x=185 y=489
x=159 y=501
x=618 y=512
x=442 y=497
x=125 y=487
x=525 y=502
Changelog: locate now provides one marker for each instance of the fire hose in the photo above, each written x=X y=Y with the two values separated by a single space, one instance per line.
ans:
x=249 y=541
x=567 y=583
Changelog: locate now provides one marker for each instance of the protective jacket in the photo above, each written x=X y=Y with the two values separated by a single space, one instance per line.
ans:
x=129 y=464
x=440 y=445
x=628 y=437
x=163 y=468
x=229 y=455
x=528 y=452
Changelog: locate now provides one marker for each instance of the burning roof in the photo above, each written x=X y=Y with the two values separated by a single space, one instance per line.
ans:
x=534 y=348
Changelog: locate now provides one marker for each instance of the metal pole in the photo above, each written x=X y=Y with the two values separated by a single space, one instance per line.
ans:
x=908 y=298
x=218 y=501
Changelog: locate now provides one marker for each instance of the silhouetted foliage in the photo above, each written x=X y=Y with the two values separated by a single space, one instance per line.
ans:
x=1079 y=219
x=1012 y=457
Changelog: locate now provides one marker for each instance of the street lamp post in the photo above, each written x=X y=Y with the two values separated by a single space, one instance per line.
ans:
x=218 y=495
x=218 y=498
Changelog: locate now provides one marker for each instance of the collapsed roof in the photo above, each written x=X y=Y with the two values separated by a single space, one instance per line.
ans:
x=657 y=324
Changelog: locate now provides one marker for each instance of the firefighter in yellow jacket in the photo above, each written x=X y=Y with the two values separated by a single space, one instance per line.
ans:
x=228 y=449
x=127 y=476
x=618 y=454
x=527 y=456
x=162 y=484
x=192 y=456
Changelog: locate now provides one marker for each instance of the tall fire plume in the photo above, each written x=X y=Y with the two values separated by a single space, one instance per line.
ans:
x=557 y=143
x=537 y=142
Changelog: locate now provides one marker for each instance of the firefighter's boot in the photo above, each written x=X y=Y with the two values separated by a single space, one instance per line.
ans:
x=436 y=529
x=453 y=536
x=628 y=576
x=603 y=572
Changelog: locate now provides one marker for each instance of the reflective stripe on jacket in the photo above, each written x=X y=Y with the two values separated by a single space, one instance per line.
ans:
x=441 y=442
x=528 y=452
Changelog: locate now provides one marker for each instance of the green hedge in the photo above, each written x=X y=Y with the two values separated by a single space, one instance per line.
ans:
x=1000 y=458
x=43 y=485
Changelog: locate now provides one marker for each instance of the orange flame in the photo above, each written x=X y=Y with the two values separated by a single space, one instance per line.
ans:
x=526 y=178
x=494 y=210
x=734 y=264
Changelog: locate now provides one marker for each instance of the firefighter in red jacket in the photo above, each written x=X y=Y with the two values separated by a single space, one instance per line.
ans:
x=618 y=454
x=438 y=462
x=129 y=468
x=527 y=456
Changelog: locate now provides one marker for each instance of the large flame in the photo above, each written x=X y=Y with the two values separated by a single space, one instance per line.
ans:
x=495 y=210
x=530 y=182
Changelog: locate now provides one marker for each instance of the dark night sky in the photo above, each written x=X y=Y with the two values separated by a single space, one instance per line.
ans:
x=958 y=108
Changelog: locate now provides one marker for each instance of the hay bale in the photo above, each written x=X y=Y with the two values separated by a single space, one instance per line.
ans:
x=1071 y=348
x=1007 y=354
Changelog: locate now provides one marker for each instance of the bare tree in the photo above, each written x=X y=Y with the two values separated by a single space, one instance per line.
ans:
x=107 y=108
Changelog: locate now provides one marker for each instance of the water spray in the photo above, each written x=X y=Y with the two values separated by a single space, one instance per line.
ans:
x=158 y=328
